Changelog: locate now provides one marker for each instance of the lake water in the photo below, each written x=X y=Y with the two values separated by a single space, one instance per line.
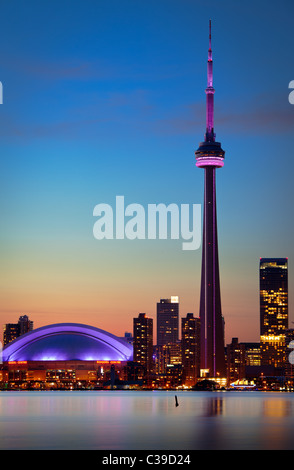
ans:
x=138 y=420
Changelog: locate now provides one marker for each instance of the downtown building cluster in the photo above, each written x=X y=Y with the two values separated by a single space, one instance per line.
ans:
x=171 y=362
x=167 y=354
x=264 y=365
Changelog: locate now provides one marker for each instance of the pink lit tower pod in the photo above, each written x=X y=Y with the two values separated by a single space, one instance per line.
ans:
x=210 y=156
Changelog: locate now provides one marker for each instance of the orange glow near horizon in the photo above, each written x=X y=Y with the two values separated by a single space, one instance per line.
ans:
x=108 y=289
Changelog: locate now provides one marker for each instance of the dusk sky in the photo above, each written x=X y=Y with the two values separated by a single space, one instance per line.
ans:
x=107 y=98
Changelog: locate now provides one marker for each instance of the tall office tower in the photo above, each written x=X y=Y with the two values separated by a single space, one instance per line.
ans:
x=190 y=349
x=143 y=342
x=236 y=360
x=273 y=280
x=168 y=321
x=210 y=156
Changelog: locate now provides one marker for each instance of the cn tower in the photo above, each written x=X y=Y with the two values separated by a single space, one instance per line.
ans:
x=210 y=156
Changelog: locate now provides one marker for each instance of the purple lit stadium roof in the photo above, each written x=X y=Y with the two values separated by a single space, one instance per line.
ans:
x=67 y=342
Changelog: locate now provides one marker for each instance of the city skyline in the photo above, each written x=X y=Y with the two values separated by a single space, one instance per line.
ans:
x=112 y=103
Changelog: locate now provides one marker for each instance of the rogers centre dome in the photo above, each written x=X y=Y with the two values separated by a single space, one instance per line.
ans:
x=67 y=342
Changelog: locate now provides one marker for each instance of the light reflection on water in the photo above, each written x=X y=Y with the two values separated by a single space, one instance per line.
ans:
x=146 y=420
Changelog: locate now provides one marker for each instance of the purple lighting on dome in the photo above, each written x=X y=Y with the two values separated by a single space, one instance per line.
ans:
x=65 y=342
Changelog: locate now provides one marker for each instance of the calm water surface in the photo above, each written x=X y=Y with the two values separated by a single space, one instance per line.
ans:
x=146 y=420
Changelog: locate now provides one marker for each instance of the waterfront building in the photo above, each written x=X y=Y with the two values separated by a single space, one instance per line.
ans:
x=65 y=355
x=173 y=376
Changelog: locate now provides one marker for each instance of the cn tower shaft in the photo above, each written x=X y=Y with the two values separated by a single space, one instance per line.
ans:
x=211 y=321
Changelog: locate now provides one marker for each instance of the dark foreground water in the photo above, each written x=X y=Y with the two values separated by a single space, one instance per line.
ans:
x=127 y=420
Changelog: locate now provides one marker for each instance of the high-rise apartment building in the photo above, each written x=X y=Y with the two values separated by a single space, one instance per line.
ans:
x=143 y=342
x=168 y=321
x=190 y=349
x=273 y=276
x=11 y=331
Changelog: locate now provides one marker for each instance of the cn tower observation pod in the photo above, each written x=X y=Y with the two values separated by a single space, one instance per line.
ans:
x=210 y=154
x=67 y=342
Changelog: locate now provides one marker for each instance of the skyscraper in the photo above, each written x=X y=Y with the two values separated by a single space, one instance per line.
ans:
x=273 y=276
x=143 y=342
x=168 y=321
x=190 y=349
x=210 y=156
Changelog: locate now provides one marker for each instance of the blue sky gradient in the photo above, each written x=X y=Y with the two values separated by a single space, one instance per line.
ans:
x=107 y=98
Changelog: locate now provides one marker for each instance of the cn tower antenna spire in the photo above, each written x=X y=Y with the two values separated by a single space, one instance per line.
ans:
x=209 y=50
x=210 y=136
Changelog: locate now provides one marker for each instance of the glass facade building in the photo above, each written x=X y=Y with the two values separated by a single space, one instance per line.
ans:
x=273 y=276
x=168 y=321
